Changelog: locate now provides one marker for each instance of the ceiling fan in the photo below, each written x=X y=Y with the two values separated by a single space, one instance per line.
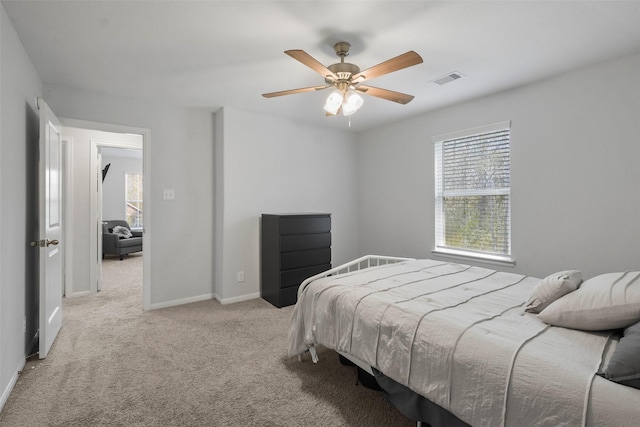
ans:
x=347 y=79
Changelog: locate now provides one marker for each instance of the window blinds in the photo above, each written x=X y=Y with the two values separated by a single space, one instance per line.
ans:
x=472 y=177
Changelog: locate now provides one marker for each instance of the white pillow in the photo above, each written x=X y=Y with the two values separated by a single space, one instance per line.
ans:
x=608 y=301
x=122 y=232
x=551 y=288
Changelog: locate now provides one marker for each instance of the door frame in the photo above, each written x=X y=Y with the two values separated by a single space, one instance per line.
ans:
x=146 y=194
x=95 y=239
x=67 y=214
x=98 y=206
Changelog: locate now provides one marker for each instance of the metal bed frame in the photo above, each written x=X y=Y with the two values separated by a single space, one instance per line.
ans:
x=355 y=265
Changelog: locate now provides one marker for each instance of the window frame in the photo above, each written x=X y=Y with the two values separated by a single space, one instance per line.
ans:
x=439 y=219
x=126 y=198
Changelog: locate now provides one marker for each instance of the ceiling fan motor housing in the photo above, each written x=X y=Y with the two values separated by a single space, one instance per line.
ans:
x=343 y=70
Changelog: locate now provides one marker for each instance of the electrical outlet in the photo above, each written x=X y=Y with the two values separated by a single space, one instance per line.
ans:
x=168 y=194
x=240 y=276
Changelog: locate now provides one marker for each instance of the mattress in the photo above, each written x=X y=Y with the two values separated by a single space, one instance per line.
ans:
x=459 y=336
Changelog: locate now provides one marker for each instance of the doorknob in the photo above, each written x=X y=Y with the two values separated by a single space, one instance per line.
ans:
x=43 y=243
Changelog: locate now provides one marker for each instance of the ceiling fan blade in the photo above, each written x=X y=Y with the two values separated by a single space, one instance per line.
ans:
x=310 y=61
x=394 y=64
x=292 y=91
x=389 y=95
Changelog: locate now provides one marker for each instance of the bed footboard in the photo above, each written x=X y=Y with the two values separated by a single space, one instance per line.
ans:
x=355 y=265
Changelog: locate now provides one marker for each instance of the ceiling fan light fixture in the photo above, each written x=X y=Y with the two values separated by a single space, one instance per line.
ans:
x=334 y=101
x=346 y=78
x=352 y=102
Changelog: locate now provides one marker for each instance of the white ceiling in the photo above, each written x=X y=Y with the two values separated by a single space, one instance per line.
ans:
x=227 y=53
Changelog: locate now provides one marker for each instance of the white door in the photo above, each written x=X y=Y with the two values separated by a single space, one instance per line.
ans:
x=50 y=228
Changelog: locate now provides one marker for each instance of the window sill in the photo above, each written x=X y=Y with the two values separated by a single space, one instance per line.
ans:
x=473 y=256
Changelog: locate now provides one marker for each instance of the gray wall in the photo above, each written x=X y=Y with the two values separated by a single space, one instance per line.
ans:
x=181 y=155
x=274 y=166
x=575 y=146
x=113 y=187
x=20 y=85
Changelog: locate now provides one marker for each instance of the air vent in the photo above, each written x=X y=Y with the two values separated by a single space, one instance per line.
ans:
x=448 y=78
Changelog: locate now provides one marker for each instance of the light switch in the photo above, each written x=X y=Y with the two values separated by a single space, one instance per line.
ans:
x=168 y=194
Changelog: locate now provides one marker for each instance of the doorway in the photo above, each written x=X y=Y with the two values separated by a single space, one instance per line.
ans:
x=120 y=198
x=87 y=141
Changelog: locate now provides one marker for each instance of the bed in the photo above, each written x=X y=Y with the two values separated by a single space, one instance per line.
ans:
x=466 y=341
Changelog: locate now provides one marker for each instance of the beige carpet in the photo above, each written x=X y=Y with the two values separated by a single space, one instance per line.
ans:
x=201 y=364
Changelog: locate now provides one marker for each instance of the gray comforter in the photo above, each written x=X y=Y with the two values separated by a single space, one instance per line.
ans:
x=459 y=336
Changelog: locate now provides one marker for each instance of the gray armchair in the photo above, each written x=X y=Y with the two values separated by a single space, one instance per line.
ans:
x=112 y=244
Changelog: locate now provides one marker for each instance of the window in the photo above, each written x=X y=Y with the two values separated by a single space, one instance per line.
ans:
x=133 y=202
x=472 y=179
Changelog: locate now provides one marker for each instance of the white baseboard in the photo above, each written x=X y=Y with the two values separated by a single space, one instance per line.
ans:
x=238 y=299
x=78 y=294
x=205 y=297
x=181 y=301
x=7 y=391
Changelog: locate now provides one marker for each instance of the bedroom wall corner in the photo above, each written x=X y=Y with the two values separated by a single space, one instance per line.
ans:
x=218 y=204
x=278 y=165
x=394 y=190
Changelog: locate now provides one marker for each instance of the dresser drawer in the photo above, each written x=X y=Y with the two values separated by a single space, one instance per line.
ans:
x=288 y=296
x=295 y=277
x=305 y=242
x=299 y=259
x=305 y=224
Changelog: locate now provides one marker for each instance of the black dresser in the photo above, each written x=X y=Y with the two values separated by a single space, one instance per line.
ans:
x=294 y=247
